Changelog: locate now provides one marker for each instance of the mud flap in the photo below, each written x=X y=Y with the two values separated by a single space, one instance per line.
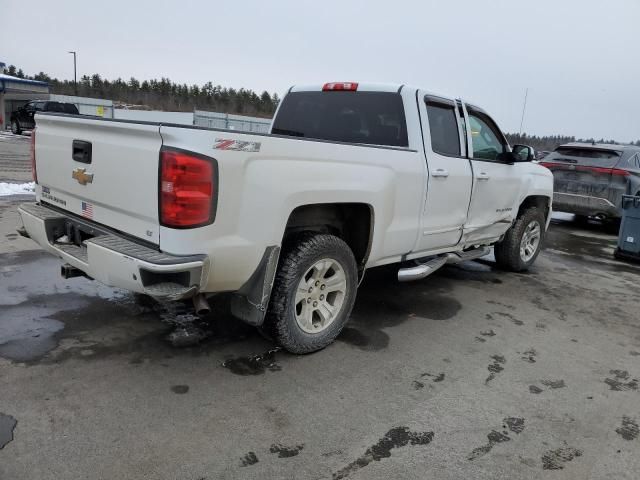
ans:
x=250 y=303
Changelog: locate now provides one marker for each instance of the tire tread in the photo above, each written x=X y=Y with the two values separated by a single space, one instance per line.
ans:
x=507 y=251
x=298 y=250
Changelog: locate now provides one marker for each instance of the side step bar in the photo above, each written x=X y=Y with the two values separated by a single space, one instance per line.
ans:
x=425 y=269
x=422 y=270
x=467 y=255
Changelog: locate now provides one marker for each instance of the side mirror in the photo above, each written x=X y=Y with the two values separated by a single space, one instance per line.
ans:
x=523 y=153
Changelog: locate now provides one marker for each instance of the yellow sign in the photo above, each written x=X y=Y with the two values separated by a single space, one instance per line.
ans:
x=100 y=111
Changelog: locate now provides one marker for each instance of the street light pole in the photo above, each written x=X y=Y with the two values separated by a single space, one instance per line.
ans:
x=75 y=78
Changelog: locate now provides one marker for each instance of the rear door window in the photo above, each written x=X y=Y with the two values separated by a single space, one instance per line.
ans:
x=373 y=118
x=443 y=125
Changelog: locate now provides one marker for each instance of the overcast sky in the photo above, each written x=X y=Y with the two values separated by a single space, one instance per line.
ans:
x=579 y=58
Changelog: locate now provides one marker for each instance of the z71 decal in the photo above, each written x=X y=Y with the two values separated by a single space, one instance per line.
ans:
x=239 y=145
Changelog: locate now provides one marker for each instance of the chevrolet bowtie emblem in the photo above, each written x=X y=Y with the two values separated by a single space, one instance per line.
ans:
x=81 y=175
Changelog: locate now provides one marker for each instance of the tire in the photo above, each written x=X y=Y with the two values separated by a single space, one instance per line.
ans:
x=581 y=220
x=15 y=127
x=612 y=225
x=508 y=252
x=323 y=263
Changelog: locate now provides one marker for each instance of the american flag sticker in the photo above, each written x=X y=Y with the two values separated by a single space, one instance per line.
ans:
x=238 y=145
x=87 y=210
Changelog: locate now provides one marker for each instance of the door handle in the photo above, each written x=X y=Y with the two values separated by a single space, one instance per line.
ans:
x=440 y=172
x=483 y=176
x=81 y=151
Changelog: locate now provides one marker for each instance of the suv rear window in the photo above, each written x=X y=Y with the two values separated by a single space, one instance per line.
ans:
x=62 y=108
x=585 y=156
x=373 y=118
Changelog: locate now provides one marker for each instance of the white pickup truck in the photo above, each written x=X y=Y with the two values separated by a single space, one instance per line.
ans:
x=352 y=176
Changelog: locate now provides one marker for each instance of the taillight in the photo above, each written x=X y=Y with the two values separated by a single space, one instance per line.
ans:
x=188 y=187
x=586 y=168
x=619 y=172
x=34 y=172
x=340 y=86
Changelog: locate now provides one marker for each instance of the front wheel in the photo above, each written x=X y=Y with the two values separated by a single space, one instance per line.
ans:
x=313 y=293
x=15 y=127
x=522 y=243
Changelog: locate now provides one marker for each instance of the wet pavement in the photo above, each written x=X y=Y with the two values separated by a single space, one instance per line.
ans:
x=15 y=163
x=471 y=373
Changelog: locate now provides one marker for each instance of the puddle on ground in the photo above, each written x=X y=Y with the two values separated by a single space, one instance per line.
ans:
x=253 y=365
x=45 y=318
x=36 y=273
x=582 y=245
x=397 y=437
x=7 y=426
x=32 y=294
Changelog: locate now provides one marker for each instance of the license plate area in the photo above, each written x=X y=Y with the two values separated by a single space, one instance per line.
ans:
x=69 y=231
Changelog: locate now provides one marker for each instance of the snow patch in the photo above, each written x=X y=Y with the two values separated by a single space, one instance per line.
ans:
x=7 y=189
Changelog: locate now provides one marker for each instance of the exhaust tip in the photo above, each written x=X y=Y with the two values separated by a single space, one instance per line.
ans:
x=201 y=305
x=69 y=271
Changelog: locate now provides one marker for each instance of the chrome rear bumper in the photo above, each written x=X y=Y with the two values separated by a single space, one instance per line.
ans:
x=114 y=259
x=584 y=205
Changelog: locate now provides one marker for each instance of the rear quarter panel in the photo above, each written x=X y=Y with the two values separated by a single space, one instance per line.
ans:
x=259 y=190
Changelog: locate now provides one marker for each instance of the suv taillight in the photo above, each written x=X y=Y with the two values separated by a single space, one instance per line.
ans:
x=188 y=184
x=34 y=172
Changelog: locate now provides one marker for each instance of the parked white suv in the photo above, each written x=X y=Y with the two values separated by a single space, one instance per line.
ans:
x=352 y=176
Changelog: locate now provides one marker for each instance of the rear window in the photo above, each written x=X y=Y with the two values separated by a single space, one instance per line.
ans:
x=62 y=108
x=585 y=156
x=374 y=118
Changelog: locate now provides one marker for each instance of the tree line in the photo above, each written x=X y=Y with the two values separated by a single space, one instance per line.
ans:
x=166 y=95
x=551 y=142
x=161 y=94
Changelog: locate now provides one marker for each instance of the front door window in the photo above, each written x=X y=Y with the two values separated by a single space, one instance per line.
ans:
x=486 y=143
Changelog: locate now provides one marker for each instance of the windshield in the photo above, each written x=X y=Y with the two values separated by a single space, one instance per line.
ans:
x=375 y=118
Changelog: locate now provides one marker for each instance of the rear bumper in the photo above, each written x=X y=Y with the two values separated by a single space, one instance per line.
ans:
x=584 y=205
x=115 y=260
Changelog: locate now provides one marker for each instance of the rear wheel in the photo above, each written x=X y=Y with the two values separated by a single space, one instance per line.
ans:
x=15 y=127
x=522 y=242
x=612 y=225
x=313 y=293
x=581 y=219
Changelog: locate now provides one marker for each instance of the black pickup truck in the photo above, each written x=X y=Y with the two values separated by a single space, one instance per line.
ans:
x=22 y=119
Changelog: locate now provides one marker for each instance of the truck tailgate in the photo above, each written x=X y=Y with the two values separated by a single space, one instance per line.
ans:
x=108 y=175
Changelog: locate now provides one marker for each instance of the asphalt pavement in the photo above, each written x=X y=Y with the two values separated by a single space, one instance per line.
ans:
x=472 y=373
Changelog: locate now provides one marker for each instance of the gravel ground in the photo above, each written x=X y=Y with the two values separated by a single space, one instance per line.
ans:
x=471 y=373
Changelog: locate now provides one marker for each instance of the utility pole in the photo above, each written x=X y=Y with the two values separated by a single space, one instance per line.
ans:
x=524 y=107
x=75 y=78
